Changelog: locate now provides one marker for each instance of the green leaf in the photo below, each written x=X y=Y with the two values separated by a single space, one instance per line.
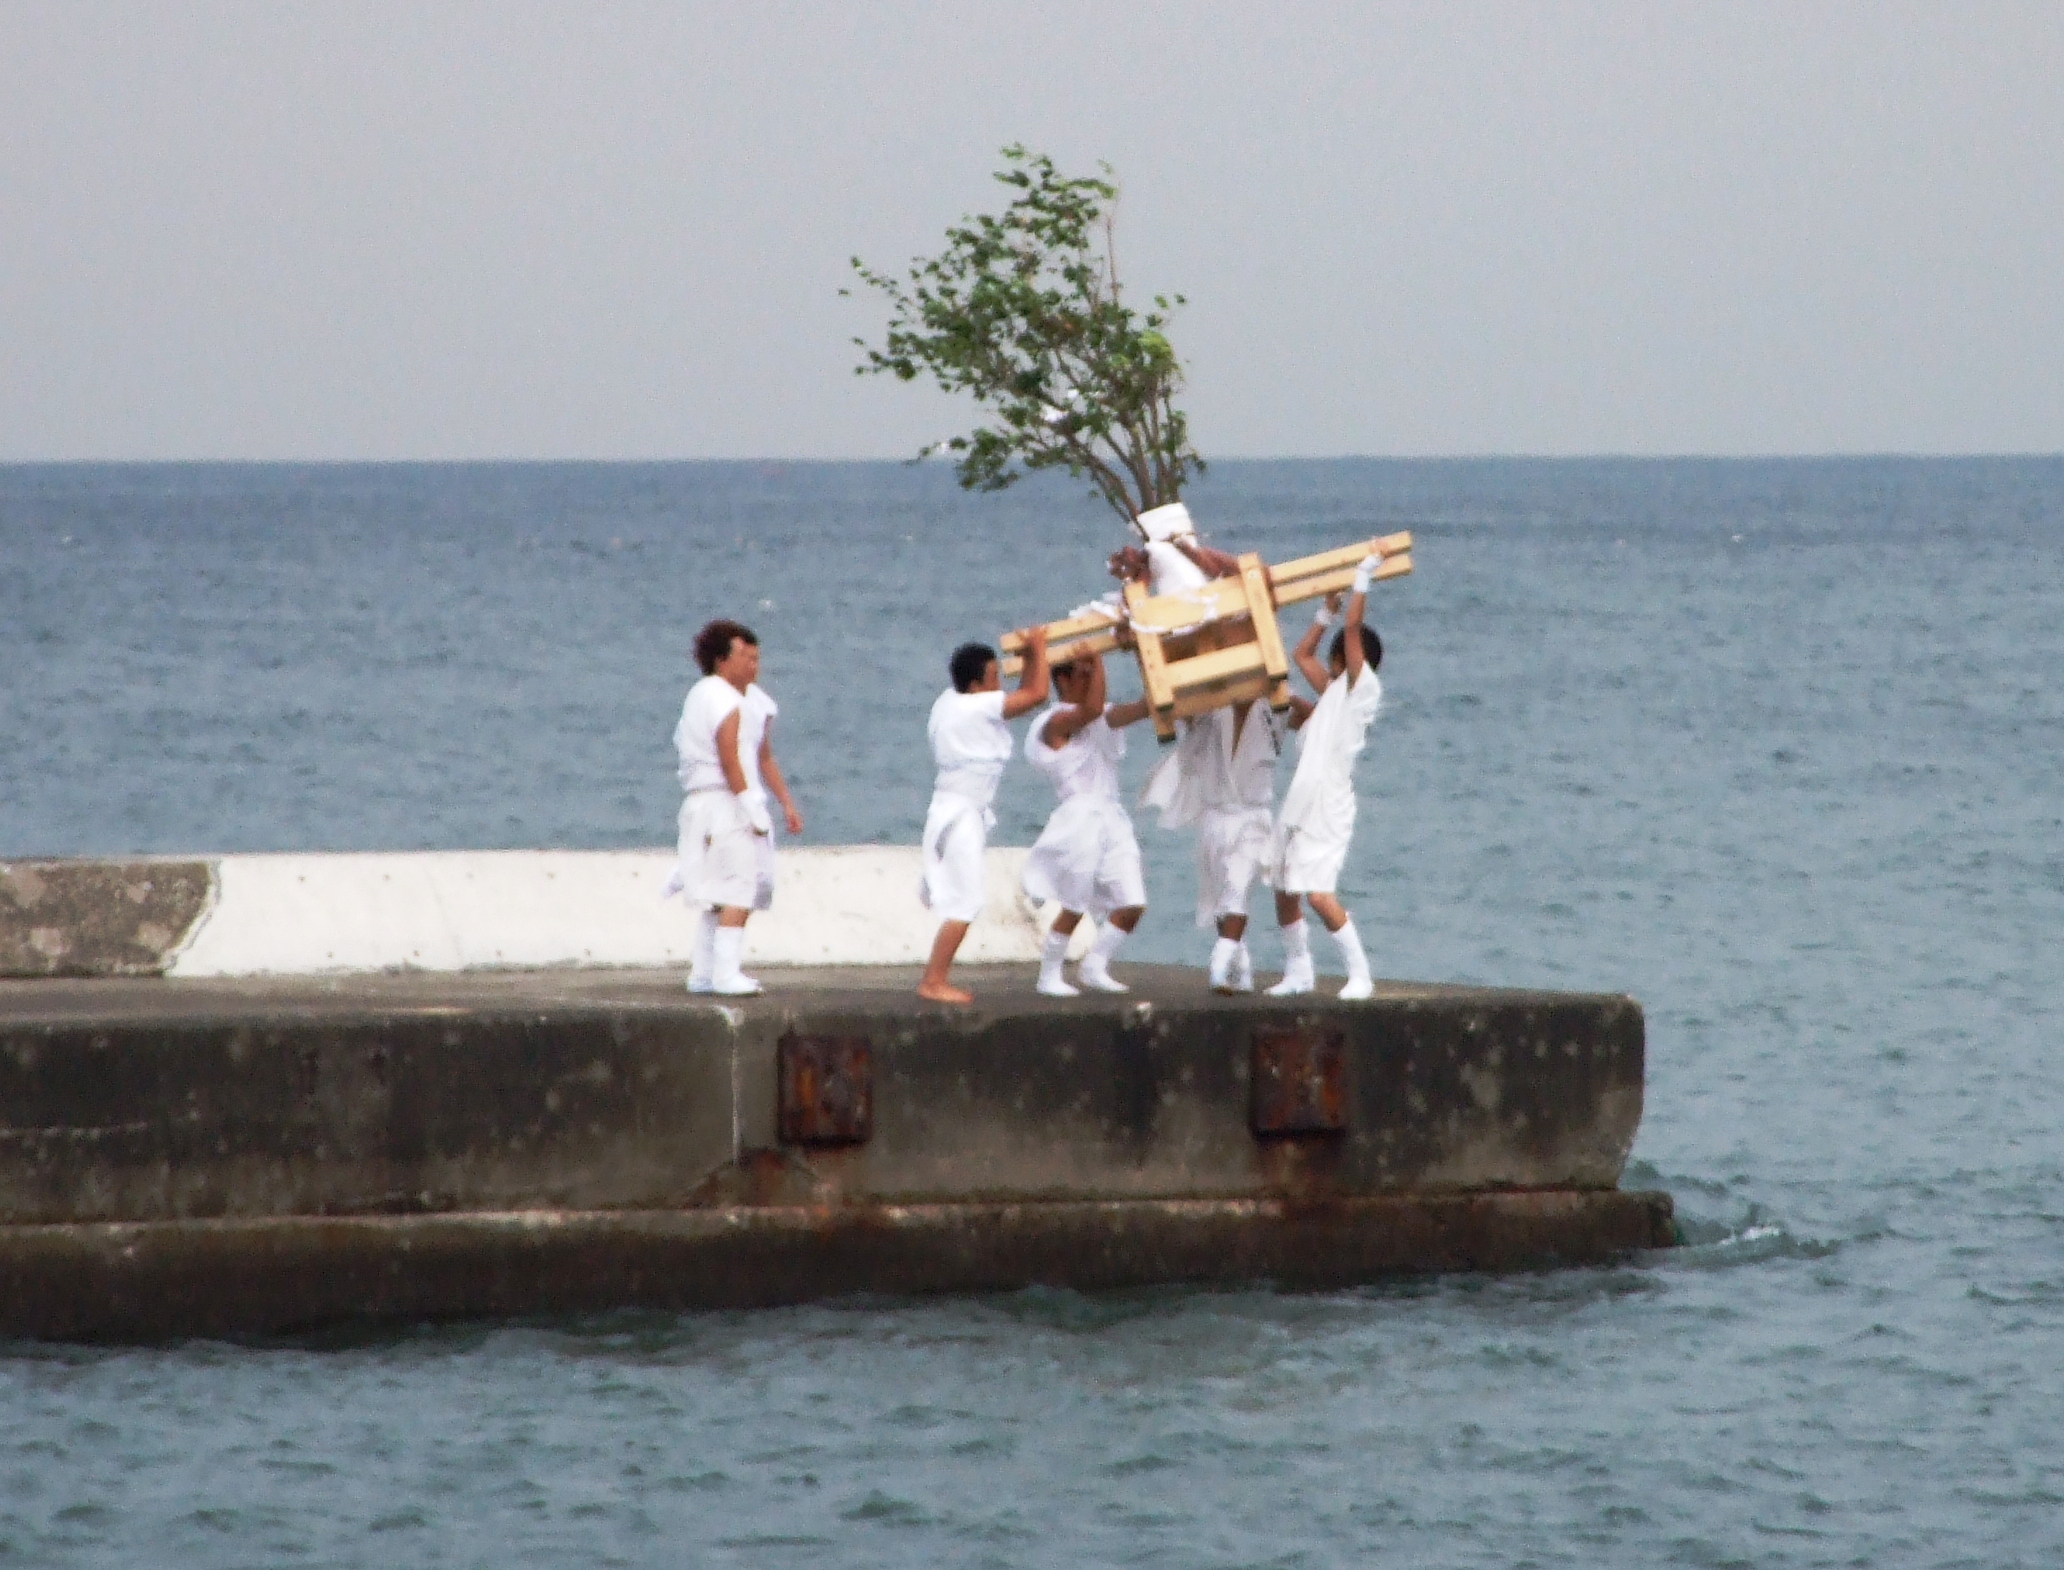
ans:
x=1023 y=304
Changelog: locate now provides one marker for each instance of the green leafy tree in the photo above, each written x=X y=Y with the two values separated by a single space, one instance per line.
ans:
x=1022 y=312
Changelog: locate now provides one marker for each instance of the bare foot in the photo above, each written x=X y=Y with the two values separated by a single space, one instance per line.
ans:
x=943 y=992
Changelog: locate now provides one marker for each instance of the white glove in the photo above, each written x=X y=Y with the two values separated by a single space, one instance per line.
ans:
x=1323 y=617
x=1366 y=573
x=755 y=811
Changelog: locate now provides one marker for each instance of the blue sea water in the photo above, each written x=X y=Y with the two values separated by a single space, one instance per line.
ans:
x=1773 y=745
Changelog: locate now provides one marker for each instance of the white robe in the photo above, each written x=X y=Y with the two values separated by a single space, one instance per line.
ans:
x=719 y=859
x=1318 y=816
x=1221 y=787
x=970 y=745
x=956 y=837
x=1087 y=858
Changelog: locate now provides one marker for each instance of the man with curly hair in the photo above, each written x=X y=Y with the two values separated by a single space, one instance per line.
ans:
x=726 y=849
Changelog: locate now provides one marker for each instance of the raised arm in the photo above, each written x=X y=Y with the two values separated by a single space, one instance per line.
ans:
x=1306 y=653
x=1033 y=681
x=1357 y=600
x=1120 y=715
x=1066 y=725
x=1214 y=562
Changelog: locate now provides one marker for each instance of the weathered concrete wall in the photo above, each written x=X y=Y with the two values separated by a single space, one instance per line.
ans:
x=225 y=1277
x=166 y=1101
x=181 y=1157
x=468 y=910
x=98 y=918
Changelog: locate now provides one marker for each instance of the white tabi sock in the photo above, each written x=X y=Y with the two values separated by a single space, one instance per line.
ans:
x=1051 y=955
x=1225 y=954
x=1095 y=969
x=1243 y=968
x=730 y=953
x=1297 y=962
x=702 y=964
x=1358 y=983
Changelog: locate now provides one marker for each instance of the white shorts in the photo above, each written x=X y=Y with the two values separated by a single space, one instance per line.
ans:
x=1232 y=851
x=1303 y=862
x=1087 y=859
x=956 y=833
x=720 y=855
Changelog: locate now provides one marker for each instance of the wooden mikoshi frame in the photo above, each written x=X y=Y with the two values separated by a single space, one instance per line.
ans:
x=1218 y=644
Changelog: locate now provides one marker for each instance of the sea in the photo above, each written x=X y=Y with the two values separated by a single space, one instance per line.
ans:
x=1775 y=746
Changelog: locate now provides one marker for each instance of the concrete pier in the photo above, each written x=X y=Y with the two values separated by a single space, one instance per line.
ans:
x=237 y=1155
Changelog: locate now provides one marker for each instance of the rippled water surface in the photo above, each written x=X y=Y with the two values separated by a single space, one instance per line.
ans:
x=1774 y=746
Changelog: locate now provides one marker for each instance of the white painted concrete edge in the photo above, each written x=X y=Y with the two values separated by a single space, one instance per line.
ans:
x=538 y=909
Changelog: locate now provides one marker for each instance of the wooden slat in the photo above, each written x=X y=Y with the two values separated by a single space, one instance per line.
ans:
x=1345 y=555
x=1219 y=597
x=1200 y=670
x=1261 y=608
x=1301 y=579
x=1204 y=701
x=1059 y=654
x=1342 y=578
x=1153 y=668
x=1306 y=578
x=1058 y=632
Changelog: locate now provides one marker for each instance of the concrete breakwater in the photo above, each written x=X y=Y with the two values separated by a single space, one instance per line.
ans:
x=189 y=1156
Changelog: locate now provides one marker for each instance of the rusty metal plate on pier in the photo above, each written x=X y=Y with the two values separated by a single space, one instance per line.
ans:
x=1298 y=1081
x=827 y=1090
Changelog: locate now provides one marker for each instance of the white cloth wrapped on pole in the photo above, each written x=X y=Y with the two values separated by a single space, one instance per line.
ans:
x=1171 y=521
x=1111 y=607
x=1171 y=574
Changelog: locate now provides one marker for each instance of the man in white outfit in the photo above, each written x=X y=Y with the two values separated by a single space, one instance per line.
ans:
x=1317 y=821
x=1087 y=858
x=971 y=742
x=1221 y=781
x=725 y=858
x=763 y=775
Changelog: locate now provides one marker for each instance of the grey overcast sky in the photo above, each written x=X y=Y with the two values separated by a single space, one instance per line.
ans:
x=382 y=231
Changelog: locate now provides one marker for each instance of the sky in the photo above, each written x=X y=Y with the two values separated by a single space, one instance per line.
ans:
x=619 y=231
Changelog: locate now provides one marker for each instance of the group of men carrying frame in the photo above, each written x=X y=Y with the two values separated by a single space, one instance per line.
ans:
x=1215 y=680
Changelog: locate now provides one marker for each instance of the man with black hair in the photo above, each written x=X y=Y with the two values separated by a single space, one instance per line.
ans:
x=724 y=853
x=1087 y=858
x=971 y=742
x=1316 y=823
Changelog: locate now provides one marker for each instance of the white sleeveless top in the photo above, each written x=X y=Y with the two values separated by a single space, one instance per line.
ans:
x=1086 y=766
x=710 y=702
x=970 y=743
